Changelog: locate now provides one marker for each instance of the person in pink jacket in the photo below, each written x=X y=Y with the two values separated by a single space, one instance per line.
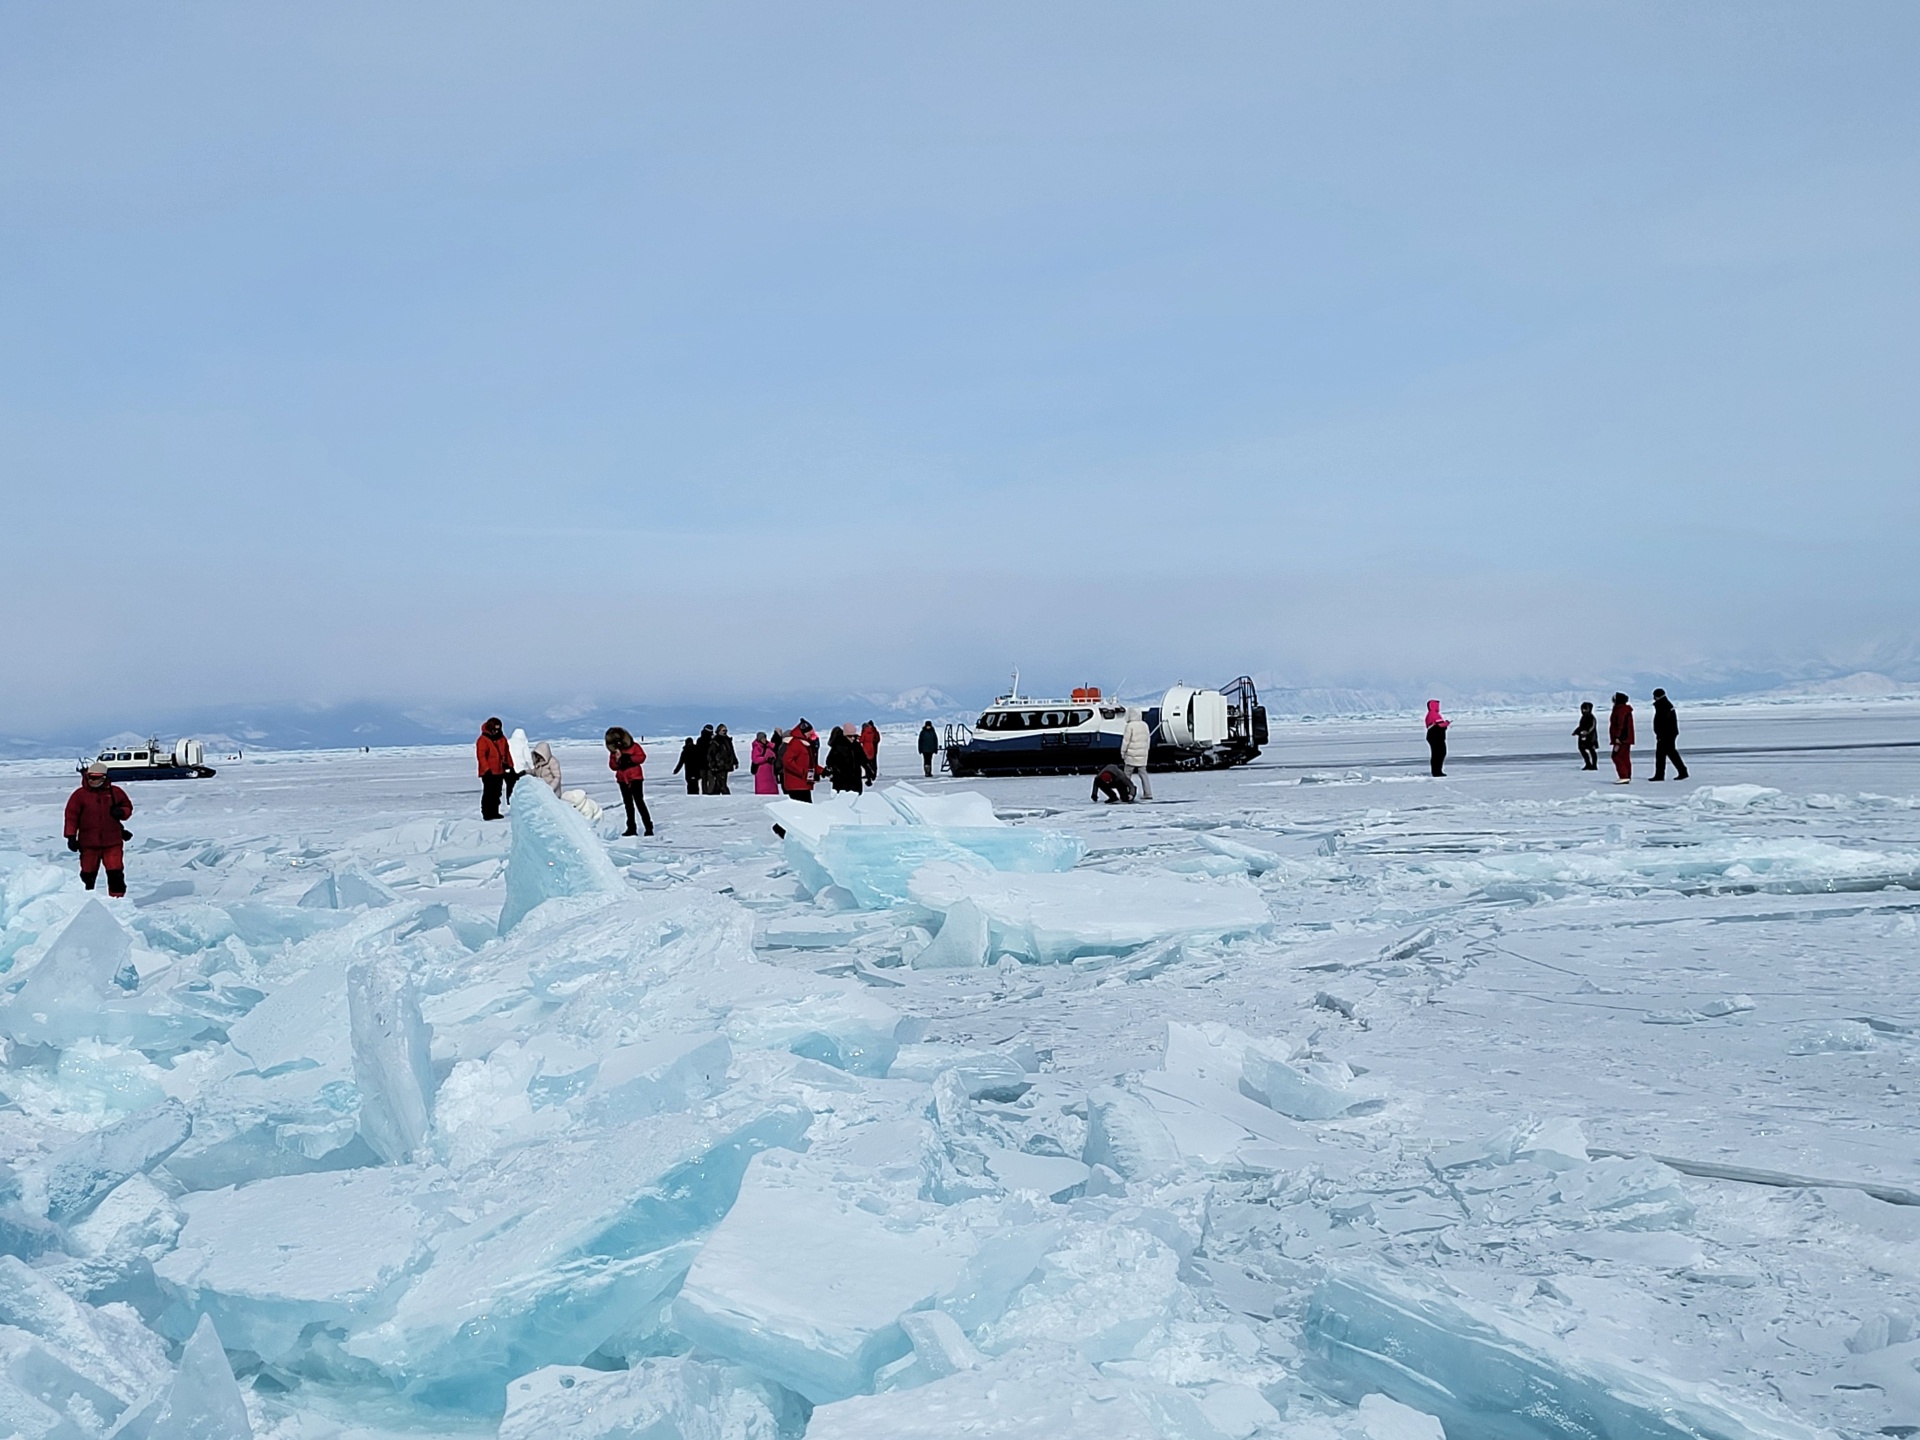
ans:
x=1437 y=738
x=766 y=765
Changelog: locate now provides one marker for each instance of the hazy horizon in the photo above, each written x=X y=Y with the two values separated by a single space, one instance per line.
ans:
x=408 y=357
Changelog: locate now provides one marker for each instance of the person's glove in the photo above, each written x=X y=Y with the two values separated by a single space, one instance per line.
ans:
x=73 y=842
x=125 y=834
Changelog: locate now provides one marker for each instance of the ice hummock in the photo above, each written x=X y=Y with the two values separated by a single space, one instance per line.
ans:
x=553 y=854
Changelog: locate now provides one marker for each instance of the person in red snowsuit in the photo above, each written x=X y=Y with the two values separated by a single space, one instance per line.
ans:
x=797 y=764
x=496 y=767
x=870 y=750
x=1620 y=737
x=94 y=813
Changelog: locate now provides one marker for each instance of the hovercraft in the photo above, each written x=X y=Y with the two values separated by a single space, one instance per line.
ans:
x=186 y=761
x=1193 y=729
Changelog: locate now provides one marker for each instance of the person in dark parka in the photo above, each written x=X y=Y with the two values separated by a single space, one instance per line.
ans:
x=93 y=828
x=1666 y=730
x=1586 y=734
x=846 y=764
x=929 y=747
x=722 y=761
x=1113 y=783
x=690 y=764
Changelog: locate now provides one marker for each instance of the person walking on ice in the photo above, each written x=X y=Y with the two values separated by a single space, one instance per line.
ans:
x=1666 y=730
x=495 y=758
x=626 y=759
x=1136 y=744
x=94 y=813
x=1437 y=739
x=1586 y=735
x=929 y=747
x=870 y=750
x=1620 y=739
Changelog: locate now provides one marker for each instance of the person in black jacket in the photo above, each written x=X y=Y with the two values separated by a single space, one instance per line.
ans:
x=1587 y=735
x=1666 y=729
x=721 y=761
x=846 y=762
x=691 y=764
x=1113 y=783
x=929 y=747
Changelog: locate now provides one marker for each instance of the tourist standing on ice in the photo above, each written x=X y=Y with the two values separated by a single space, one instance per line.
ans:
x=1136 y=744
x=94 y=813
x=796 y=765
x=1666 y=730
x=544 y=766
x=870 y=749
x=689 y=765
x=497 y=774
x=1113 y=783
x=1587 y=735
x=1437 y=738
x=929 y=747
x=626 y=759
x=722 y=761
x=1620 y=738
x=765 y=759
x=846 y=764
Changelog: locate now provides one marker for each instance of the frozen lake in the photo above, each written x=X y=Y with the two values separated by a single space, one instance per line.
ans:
x=1546 y=1106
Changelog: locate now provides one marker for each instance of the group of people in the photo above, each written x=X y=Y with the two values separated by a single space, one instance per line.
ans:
x=787 y=762
x=707 y=760
x=1620 y=738
x=1586 y=734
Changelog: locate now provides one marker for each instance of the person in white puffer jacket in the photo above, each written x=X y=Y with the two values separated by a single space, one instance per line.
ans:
x=1136 y=741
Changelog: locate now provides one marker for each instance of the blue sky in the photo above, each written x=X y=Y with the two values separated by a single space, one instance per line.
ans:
x=439 y=353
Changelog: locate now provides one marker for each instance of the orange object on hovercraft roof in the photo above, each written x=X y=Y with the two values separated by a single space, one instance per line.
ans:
x=1084 y=693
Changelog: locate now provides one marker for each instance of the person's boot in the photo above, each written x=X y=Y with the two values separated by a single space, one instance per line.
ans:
x=87 y=880
x=117 y=884
x=631 y=831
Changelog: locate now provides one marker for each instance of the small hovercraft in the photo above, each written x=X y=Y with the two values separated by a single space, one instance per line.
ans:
x=1192 y=729
x=186 y=761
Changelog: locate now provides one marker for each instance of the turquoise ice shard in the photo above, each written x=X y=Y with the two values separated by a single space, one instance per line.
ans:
x=204 y=1401
x=391 y=1066
x=81 y=1174
x=553 y=853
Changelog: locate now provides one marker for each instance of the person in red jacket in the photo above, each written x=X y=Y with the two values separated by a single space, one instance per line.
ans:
x=797 y=764
x=870 y=750
x=1620 y=737
x=496 y=767
x=94 y=813
x=625 y=758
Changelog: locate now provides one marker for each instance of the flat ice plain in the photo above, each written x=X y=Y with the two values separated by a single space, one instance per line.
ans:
x=1320 y=1099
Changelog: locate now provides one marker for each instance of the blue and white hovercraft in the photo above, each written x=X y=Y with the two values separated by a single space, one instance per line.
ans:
x=1193 y=729
x=186 y=761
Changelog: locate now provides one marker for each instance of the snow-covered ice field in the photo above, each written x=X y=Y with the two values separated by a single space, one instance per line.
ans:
x=1315 y=1099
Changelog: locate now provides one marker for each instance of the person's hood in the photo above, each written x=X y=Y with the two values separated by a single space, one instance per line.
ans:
x=543 y=750
x=1433 y=710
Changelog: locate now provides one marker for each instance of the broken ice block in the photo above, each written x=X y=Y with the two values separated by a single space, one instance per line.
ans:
x=203 y=1403
x=274 y=1261
x=574 y=1244
x=1053 y=918
x=940 y=1349
x=553 y=853
x=840 y=1027
x=391 y=1067
x=81 y=1174
x=1478 y=1371
x=72 y=1358
x=1105 y=1290
x=667 y=1073
x=804 y=1286
x=1382 y=1418
x=962 y=943
x=1304 y=1089
x=1037 y=1392
x=678 y=1398
x=61 y=997
x=1125 y=1135
x=347 y=889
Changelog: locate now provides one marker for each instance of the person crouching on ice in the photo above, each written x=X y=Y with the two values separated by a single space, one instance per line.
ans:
x=1114 y=784
x=94 y=813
